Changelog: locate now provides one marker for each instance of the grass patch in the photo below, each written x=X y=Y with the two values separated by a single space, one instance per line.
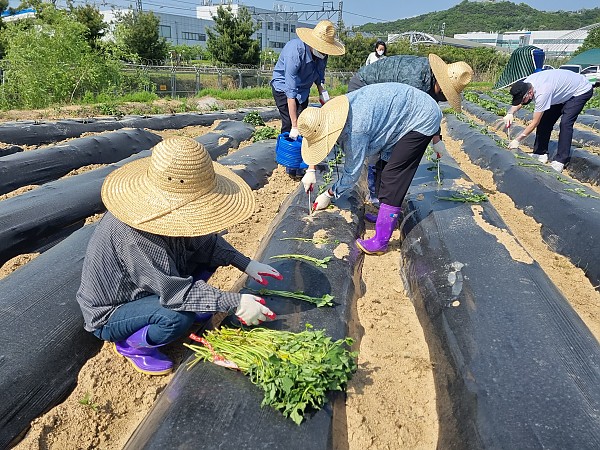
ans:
x=237 y=94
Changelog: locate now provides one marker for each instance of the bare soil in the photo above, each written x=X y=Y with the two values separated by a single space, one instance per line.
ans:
x=391 y=401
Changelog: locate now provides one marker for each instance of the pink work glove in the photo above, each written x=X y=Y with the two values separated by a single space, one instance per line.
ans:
x=252 y=310
x=258 y=271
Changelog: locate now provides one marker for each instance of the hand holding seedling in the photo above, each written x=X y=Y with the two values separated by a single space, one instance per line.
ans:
x=252 y=310
x=322 y=201
x=258 y=271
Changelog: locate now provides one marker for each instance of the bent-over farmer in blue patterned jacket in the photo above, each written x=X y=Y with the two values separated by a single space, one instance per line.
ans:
x=145 y=271
x=392 y=120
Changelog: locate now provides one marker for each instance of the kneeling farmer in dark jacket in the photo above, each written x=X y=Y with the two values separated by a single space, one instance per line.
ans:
x=147 y=263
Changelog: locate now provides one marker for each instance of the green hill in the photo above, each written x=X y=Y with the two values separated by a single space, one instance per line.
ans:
x=496 y=17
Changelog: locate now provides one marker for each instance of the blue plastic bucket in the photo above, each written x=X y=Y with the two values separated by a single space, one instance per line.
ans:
x=288 y=152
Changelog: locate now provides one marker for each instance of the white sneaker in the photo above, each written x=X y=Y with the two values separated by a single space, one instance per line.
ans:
x=541 y=158
x=558 y=166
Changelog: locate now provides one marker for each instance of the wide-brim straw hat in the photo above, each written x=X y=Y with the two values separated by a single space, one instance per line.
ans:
x=452 y=78
x=322 y=38
x=177 y=191
x=321 y=127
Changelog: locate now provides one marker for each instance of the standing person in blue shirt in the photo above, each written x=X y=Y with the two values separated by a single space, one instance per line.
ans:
x=301 y=63
x=393 y=120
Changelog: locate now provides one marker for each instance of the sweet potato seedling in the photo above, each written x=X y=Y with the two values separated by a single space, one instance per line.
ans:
x=294 y=370
x=324 y=300
x=317 y=262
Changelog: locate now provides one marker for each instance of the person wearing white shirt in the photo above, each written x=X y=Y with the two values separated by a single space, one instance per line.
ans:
x=379 y=53
x=557 y=94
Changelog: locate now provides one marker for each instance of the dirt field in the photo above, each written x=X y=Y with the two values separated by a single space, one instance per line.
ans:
x=391 y=400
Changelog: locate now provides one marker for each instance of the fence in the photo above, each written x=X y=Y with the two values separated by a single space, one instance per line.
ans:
x=187 y=81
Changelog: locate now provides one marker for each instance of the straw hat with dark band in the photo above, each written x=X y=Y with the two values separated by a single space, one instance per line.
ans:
x=321 y=38
x=321 y=127
x=452 y=78
x=177 y=191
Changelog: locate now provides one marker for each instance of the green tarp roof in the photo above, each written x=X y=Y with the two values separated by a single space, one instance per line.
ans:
x=519 y=66
x=588 y=58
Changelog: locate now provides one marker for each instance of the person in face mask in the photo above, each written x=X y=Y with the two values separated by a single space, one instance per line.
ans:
x=301 y=63
x=379 y=53
x=556 y=94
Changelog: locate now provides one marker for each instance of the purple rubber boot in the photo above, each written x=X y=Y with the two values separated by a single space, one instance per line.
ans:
x=384 y=227
x=144 y=357
x=371 y=218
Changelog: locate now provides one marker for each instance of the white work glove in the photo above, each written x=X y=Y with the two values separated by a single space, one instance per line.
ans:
x=294 y=133
x=309 y=179
x=324 y=97
x=439 y=147
x=252 y=310
x=514 y=144
x=322 y=201
x=508 y=120
x=258 y=271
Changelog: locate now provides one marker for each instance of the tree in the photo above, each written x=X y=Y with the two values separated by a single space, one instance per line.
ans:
x=50 y=61
x=136 y=33
x=91 y=18
x=591 y=41
x=3 y=7
x=184 y=52
x=230 y=42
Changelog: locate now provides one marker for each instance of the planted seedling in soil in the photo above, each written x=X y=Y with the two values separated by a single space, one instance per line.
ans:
x=294 y=370
x=263 y=133
x=254 y=118
x=466 y=196
x=317 y=262
x=87 y=401
x=316 y=241
x=581 y=192
x=325 y=300
x=435 y=158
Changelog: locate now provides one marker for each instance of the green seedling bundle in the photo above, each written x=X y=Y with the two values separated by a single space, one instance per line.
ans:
x=294 y=370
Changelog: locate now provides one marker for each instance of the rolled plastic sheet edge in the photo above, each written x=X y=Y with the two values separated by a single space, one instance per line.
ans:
x=226 y=399
x=514 y=365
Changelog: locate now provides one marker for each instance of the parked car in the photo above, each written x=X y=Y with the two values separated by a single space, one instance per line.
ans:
x=592 y=73
x=547 y=67
x=572 y=67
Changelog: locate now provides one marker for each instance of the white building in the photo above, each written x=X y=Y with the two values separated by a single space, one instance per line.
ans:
x=277 y=27
x=554 y=43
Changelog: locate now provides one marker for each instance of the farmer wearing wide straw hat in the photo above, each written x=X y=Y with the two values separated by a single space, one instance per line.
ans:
x=145 y=271
x=393 y=120
x=443 y=82
x=301 y=63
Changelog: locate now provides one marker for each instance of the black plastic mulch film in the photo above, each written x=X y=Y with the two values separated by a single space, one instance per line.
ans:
x=52 y=162
x=26 y=132
x=209 y=394
x=570 y=222
x=515 y=366
x=583 y=166
x=37 y=302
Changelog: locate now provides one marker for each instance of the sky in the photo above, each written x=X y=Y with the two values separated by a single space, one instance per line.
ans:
x=354 y=12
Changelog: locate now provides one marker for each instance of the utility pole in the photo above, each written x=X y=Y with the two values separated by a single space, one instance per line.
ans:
x=340 y=20
x=138 y=5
